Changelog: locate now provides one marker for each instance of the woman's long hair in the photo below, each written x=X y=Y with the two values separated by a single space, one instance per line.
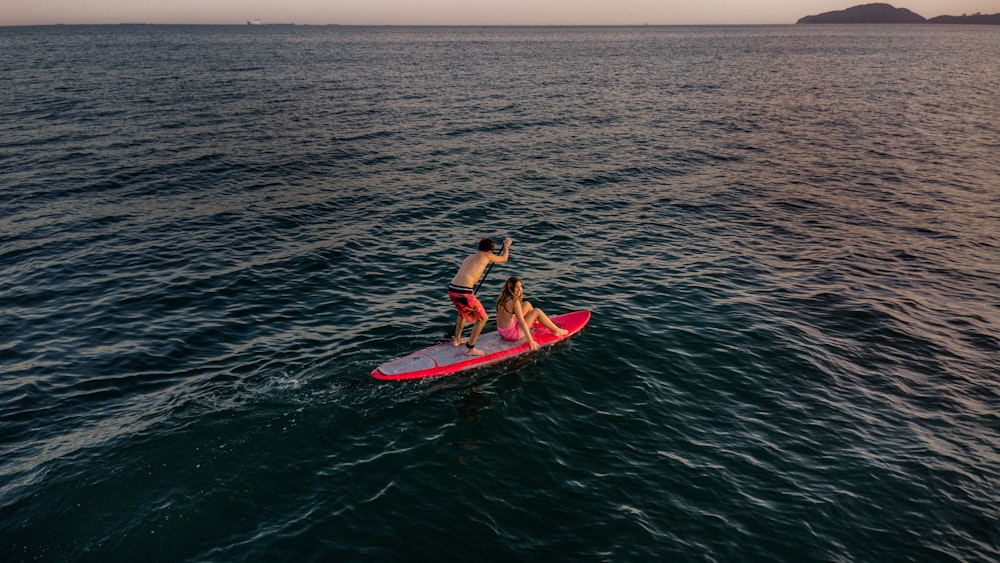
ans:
x=507 y=293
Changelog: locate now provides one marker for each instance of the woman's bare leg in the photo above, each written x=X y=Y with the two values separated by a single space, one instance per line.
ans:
x=532 y=315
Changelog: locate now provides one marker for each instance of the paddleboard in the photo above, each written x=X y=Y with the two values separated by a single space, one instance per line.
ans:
x=446 y=358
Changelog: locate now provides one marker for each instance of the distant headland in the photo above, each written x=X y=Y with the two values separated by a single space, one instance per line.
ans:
x=885 y=13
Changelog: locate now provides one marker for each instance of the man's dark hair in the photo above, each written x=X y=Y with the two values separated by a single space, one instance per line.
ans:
x=486 y=245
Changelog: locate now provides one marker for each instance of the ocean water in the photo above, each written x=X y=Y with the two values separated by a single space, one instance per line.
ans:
x=788 y=236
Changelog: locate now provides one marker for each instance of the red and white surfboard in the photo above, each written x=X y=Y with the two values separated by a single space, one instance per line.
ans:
x=446 y=358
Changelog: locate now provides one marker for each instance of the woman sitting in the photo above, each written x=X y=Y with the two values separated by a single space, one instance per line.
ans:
x=516 y=317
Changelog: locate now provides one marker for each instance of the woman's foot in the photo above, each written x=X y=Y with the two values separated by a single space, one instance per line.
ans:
x=560 y=332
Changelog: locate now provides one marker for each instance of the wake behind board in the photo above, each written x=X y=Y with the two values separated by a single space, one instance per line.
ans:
x=446 y=358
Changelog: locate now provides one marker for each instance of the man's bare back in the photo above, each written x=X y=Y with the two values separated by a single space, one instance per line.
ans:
x=473 y=266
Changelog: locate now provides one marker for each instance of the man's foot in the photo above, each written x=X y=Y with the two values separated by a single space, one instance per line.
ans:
x=458 y=342
x=473 y=351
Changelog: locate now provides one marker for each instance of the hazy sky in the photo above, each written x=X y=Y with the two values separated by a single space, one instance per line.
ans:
x=453 y=12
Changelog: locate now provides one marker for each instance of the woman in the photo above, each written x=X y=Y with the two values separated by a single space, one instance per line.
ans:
x=516 y=317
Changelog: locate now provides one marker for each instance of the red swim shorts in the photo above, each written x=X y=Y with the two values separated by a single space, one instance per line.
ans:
x=468 y=306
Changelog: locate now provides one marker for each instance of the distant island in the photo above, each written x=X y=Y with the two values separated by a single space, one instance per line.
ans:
x=885 y=13
x=980 y=19
x=258 y=22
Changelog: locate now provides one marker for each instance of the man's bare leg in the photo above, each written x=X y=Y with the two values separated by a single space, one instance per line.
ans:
x=456 y=338
x=471 y=344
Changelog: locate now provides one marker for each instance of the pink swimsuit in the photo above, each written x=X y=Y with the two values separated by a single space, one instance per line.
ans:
x=512 y=332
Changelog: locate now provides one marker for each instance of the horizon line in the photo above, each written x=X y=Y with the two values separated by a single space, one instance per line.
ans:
x=278 y=24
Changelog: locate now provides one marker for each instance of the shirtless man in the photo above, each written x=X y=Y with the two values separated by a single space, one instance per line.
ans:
x=460 y=292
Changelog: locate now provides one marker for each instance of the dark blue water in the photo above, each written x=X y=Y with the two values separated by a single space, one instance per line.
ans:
x=789 y=238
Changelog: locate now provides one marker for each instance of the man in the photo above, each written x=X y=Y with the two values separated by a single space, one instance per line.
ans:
x=460 y=292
